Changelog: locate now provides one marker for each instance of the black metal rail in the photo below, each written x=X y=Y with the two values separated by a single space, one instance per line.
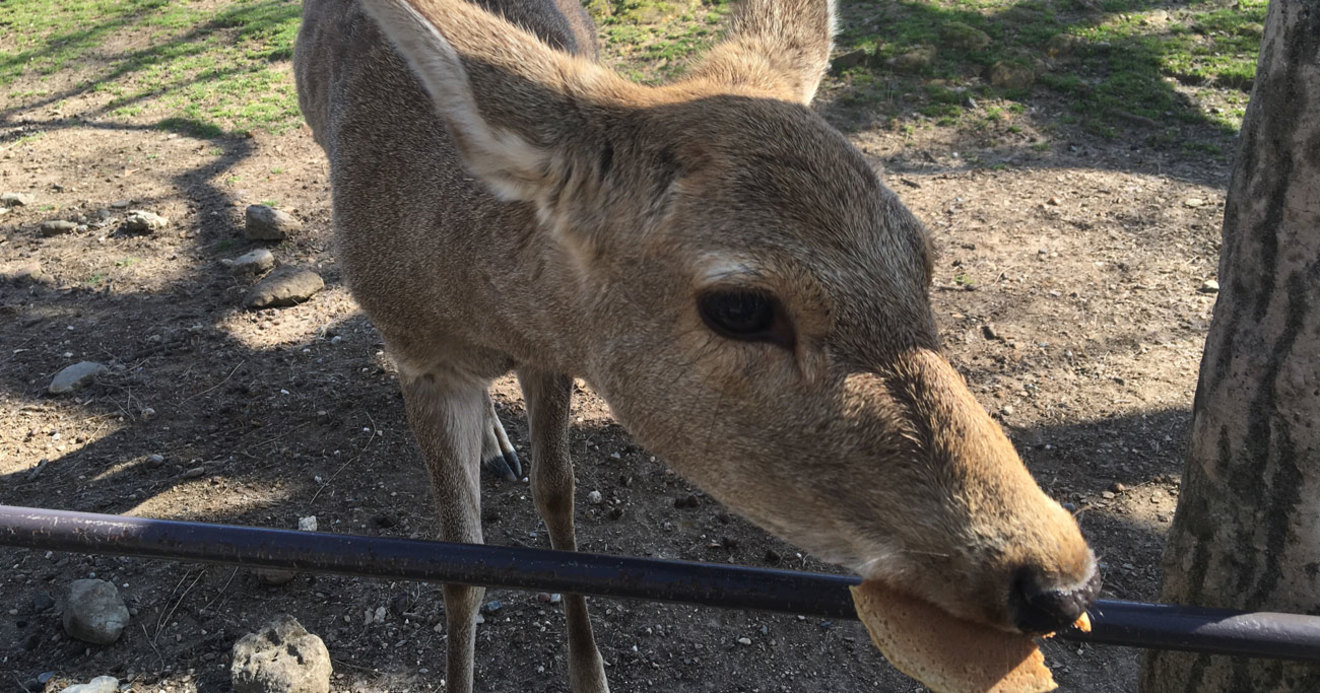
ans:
x=1132 y=624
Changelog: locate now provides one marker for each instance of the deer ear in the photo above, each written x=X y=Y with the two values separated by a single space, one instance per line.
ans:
x=781 y=47
x=514 y=106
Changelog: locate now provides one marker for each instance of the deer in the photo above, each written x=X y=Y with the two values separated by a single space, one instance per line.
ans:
x=709 y=255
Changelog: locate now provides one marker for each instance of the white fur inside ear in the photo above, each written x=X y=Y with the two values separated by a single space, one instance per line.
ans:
x=512 y=167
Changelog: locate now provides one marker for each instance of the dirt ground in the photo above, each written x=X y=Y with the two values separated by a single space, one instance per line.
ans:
x=1068 y=291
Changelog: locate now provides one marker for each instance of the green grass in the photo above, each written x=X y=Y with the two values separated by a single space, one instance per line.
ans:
x=207 y=69
x=653 y=40
x=194 y=67
x=1114 y=62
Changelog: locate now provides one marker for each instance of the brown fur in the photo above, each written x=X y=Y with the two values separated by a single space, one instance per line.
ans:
x=517 y=206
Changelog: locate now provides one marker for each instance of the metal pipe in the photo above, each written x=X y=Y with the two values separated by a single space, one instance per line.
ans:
x=1133 y=624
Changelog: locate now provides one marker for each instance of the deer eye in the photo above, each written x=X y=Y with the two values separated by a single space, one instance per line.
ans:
x=747 y=316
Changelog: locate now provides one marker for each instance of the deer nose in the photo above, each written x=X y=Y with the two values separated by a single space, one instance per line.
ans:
x=1043 y=607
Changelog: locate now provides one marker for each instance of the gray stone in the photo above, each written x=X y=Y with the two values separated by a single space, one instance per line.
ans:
x=850 y=59
x=282 y=657
x=1062 y=45
x=94 y=612
x=56 y=227
x=251 y=264
x=964 y=36
x=285 y=286
x=269 y=224
x=76 y=376
x=1009 y=75
x=22 y=272
x=142 y=221
x=1209 y=286
x=42 y=602
x=17 y=199
x=916 y=60
x=100 y=684
x=275 y=576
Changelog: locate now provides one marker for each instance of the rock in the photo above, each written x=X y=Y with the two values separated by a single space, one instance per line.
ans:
x=1194 y=202
x=275 y=576
x=142 y=221
x=76 y=376
x=17 y=199
x=964 y=36
x=269 y=224
x=1009 y=75
x=22 y=272
x=307 y=524
x=851 y=59
x=913 y=61
x=281 y=658
x=251 y=264
x=688 y=501
x=1209 y=286
x=94 y=612
x=595 y=498
x=100 y=684
x=744 y=641
x=42 y=602
x=492 y=606
x=120 y=204
x=402 y=604
x=56 y=227
x=285 y=286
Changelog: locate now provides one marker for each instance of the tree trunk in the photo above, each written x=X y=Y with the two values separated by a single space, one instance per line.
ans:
x=1247 y=531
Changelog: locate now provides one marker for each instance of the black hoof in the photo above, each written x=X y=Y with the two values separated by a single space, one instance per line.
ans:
x=498 y=465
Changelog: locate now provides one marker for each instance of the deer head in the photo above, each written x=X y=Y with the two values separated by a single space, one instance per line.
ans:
x=734 y=279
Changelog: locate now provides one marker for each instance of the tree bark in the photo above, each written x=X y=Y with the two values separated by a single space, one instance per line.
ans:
x=1246 y=534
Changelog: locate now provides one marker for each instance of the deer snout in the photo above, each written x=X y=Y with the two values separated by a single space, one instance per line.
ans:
x=1044 y=605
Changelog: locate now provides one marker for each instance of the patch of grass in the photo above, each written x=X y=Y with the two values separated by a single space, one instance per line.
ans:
x=1117 y=62
x=201 y=68
x=653 y=40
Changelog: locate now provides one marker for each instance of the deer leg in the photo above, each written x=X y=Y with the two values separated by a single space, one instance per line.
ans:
x=497 y=453
x=449 y=417
x=548 y=396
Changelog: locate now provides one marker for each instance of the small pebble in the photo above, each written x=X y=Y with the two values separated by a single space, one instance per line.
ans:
x=141 y=221
x=744 y=641
x=100 y=684
x=492 y=606
x=76 y=376
x=57 y=227
x=42 y=602
x=1209 y=286
x=269 y=224
x=17 y=199
x=595 y=498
